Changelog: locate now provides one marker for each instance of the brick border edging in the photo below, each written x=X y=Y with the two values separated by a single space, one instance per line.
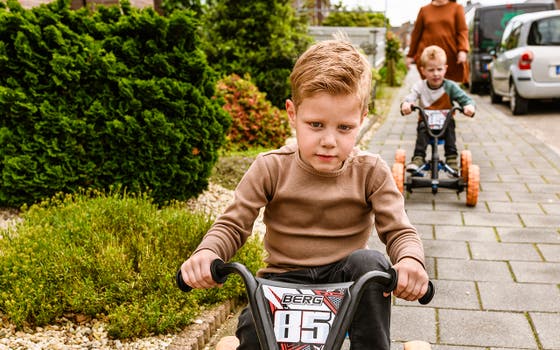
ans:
x=196 y=335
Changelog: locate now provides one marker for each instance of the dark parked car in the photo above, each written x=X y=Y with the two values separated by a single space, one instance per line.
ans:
x=486 y=24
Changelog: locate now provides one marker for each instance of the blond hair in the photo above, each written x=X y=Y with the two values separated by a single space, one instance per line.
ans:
x=332 y=66
x=432 y=53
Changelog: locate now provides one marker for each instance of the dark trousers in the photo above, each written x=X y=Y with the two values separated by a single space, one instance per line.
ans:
x=370 y=327
x=423 y=138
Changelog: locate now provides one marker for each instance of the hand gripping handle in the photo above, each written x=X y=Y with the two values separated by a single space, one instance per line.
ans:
x=215 y=269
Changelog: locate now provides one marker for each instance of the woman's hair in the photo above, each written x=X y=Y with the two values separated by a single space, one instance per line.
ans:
x=332 y=66
x=432 y=53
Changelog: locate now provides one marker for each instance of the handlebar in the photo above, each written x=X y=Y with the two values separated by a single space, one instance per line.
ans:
x=451 y=111
x=221 y=270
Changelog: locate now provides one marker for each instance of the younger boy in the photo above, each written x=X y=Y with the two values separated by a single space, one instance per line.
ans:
x=322 y=198
x=435 y=92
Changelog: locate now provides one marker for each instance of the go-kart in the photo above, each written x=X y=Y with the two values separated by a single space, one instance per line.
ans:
x=304 y=316
x=428 y=175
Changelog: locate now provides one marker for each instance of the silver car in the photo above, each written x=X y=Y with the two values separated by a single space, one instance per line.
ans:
x=526 y=64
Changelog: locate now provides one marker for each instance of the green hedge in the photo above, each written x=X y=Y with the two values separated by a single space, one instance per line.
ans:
x=92 y=99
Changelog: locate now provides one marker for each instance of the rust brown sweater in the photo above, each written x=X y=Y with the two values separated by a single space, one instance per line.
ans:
x=445 y=26
x=314 y=218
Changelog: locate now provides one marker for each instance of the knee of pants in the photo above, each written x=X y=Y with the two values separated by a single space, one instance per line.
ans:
x=365 y=260
x=246 y=333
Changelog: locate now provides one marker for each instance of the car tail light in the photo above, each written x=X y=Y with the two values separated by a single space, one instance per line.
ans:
x=525 y=60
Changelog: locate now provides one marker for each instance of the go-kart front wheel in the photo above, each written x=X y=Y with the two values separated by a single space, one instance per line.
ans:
x=466 y=161
x=473 y=185
x=398 y=176
x=400 y=156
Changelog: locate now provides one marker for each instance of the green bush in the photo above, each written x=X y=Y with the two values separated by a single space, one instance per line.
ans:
x=255 y=121
x=394 y=69
x=92 y=99
x=111 y=256
x=259 y=37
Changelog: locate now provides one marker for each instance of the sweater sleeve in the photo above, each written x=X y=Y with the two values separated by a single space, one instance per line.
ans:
x=232 y=229
x=416 y=35
x=414 y=94
x=457 y=94
x=462 y=30
x=391 y=221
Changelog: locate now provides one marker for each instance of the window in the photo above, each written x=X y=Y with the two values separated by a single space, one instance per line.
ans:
x=545 y=32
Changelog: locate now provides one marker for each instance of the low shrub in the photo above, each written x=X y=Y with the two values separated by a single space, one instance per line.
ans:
x=111 y=256
x=255 y=121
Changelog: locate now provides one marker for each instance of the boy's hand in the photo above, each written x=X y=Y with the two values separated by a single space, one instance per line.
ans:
x=413 y=280
x=196 y=270
x=406 y=108
x=468 y=110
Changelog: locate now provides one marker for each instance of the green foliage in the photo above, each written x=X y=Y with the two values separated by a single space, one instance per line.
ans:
x=172 y=5
x=360 y=17
x=260 y=37
x=107 y=255
x=393 y=56
x=256 y=123
x=115 y=96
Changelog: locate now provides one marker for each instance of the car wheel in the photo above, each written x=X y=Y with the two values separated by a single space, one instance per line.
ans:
x=474 y=88
x=517 y=104
x=494 y=97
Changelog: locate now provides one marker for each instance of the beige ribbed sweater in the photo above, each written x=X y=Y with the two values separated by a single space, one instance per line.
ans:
x=314 y=218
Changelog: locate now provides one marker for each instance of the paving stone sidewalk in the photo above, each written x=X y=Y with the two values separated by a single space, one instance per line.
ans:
x=496 y=267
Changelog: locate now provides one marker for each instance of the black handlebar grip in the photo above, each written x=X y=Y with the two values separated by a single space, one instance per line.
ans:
x=181 y=283
x=215 y=270
x=429 y=294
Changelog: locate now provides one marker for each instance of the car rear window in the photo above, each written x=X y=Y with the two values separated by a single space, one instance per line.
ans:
x=493 y=22
x=545 y=32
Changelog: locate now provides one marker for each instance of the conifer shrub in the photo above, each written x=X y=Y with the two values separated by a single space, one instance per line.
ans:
x=255 y=121
x=118 y=96
x=110 y=256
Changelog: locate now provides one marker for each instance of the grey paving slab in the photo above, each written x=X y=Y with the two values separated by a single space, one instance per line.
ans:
x=504 y=251
x=550 y=252
x=465 y=233
x=430 y=217
x=413 y=323
x=534 y=197
x=446 y=249
x=525 y=234
x=541 y=220
x=473 y=270
x=517 y=208
x=503 y=187
x=548 y=326
x=510 y=296
x=536 y=272
x=485 y=328
x=452 y=295
x=551 y=208
x=492 y=219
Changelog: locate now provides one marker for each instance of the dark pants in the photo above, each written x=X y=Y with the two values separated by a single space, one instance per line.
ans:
x=423 y=138
x=370 y=327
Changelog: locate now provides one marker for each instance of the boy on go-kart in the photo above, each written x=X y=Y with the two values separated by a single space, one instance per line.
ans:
x=322 y=200
x=435 y=92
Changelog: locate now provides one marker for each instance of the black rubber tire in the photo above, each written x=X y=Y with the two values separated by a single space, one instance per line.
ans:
x=517 y=104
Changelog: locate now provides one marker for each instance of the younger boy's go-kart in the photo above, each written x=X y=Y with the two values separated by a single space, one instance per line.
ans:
x=427 y=175
x=302 y=316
